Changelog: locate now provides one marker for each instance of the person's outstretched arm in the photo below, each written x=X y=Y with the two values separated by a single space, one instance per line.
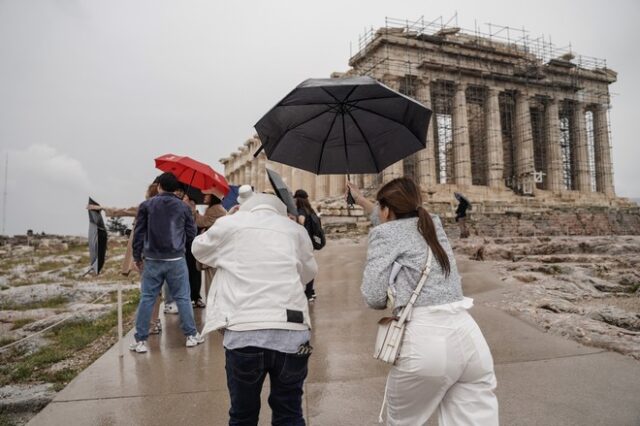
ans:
x=115 y=211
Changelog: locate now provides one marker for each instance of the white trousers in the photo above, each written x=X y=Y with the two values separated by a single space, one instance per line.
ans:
x=445 y=366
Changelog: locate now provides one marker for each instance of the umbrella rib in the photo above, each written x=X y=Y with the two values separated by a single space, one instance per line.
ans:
x=344 y=138
x=373 y=98
x=345 y=98
x=373 y=157
x=330 y=94
x=326 y=138
x=275 y=144
x=388 y=118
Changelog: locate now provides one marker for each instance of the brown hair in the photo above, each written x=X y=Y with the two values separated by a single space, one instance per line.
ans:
x=402 y=196
x=152 y=191
x=303 y=203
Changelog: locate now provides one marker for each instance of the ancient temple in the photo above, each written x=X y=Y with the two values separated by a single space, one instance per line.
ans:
x=512 y=116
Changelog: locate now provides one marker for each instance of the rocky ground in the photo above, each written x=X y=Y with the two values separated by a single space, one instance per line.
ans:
x=584 y=288
x=42 y=284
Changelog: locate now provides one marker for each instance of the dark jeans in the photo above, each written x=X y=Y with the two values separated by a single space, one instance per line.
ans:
x=246 y=370
x=195 y=278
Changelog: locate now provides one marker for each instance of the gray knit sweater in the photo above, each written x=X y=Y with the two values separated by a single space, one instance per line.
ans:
x=400 y=241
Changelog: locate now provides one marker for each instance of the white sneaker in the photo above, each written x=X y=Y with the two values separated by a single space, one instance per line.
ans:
x=139 y=347
x=194 y=340
x=171 y=308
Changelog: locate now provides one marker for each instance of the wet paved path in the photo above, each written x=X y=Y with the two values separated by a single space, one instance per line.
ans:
x=542 y=379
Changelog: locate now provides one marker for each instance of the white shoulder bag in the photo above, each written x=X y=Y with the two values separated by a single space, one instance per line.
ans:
x=391 y=329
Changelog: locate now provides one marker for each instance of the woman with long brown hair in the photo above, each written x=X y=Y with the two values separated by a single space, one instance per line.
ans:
x=445 y=364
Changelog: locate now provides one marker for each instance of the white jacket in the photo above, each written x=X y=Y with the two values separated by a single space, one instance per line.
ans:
x=263 y=261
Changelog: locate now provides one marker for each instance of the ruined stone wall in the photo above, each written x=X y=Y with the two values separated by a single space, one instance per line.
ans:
x=503 y=220
x=577 y=221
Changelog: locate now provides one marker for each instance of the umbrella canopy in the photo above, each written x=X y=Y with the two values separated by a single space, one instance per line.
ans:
x=282 y=191
x=97 y=239
x=342 y=126
x=232 y=197
x=192 y=172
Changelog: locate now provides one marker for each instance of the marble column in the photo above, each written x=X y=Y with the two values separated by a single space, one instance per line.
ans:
x=555 y=181
x=296 y=179
x=308 y=183
x=276 y=167
x=461 y=147
x=287 y=176
x=368 y=180
x=251 y=171
x=241 y=175
x=260 y=173
x=525 y=165
x=580 y=149
x=425 y=161
x=337 y=185
x=322 y=187
x=396 y=169
x=493 y=131
x=602 y=151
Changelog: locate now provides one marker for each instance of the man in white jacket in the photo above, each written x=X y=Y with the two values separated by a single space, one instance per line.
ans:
x=263 y=260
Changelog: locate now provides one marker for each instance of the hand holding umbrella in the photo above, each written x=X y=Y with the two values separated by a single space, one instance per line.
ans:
x=358 y=198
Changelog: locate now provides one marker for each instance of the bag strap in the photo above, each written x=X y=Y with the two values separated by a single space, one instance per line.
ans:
x=425 y=272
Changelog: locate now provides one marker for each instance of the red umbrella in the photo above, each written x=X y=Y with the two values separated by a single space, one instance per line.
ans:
x=193 y=173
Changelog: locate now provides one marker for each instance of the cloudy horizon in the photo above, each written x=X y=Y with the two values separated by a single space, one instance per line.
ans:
x=92 y=91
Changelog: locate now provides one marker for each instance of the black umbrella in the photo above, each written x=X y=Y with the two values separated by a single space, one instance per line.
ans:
x=194 y=194
x=97 y=239
x=282 y=191
x=343 y=126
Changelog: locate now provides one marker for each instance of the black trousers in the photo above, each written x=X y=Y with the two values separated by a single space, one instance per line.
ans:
x=195 y=277
x=246 y=370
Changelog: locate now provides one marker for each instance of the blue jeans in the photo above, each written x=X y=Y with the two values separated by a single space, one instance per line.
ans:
x=246 y=370
x=167 y=294
x=177 y=277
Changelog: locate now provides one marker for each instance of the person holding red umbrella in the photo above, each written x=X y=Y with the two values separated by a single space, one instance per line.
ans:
x=164 y=228
x=195 y=174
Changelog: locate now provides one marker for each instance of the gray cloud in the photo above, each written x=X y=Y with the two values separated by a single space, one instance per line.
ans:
x=114 y=84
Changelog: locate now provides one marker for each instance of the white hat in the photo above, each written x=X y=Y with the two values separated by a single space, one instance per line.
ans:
x=244 y=193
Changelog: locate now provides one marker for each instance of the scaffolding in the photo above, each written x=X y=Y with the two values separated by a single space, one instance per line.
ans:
x=396 y=50
x=515 y=41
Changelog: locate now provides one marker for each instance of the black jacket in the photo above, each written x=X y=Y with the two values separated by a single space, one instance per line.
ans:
x=461 y=211
x=164 y=227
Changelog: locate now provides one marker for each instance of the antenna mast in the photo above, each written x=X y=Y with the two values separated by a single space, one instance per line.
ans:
x=4 y=194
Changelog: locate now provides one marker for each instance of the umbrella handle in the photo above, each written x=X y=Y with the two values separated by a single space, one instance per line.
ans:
x=350 y=200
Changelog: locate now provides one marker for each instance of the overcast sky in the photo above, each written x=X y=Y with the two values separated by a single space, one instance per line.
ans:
x=92 y=91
